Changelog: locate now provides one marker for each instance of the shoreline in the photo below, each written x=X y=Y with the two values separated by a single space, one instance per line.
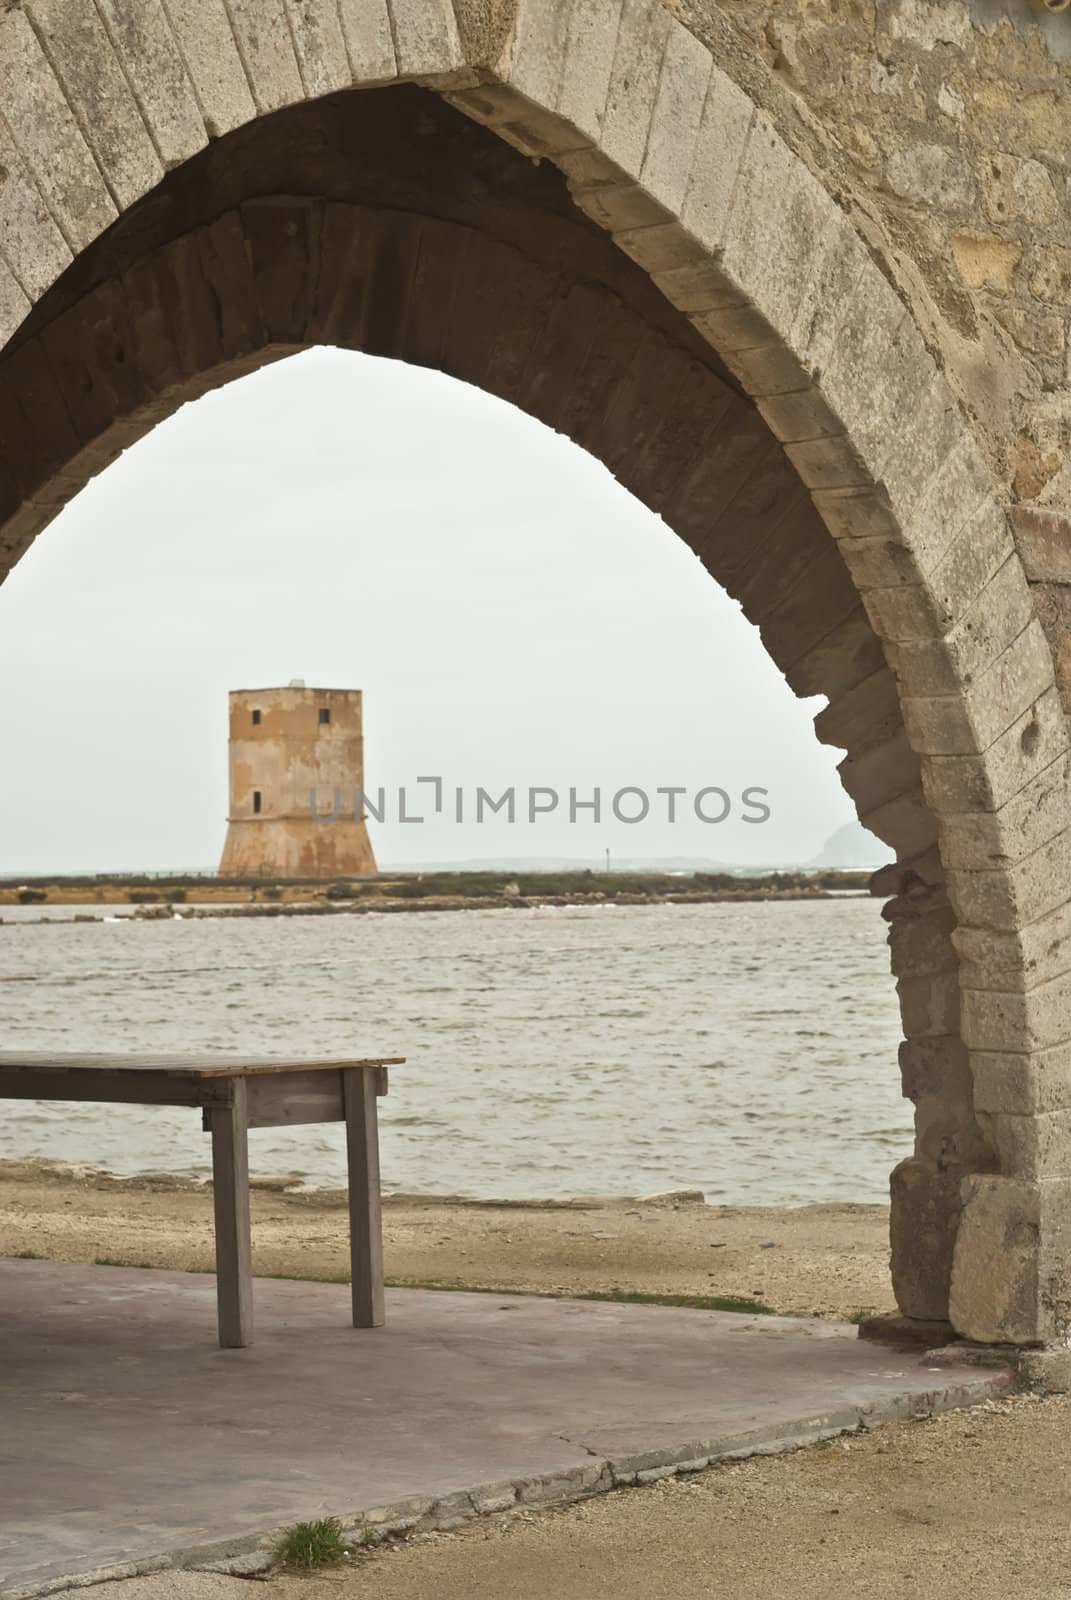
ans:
x=185 y=912
x=825 y=1260
x=155 y=899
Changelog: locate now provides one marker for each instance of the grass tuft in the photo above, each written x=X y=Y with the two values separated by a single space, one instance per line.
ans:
x=312 y=1544
x=27 y=1255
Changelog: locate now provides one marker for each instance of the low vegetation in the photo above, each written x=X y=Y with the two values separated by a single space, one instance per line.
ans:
x=309 y=1545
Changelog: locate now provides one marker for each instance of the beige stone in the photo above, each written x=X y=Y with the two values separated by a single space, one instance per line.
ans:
x=1051 y=280
x=296 y=785
x=206 y=39
x=369 y=40
x=1014 y=189
x=986 y=261
x=49 y=138
x=96 y=90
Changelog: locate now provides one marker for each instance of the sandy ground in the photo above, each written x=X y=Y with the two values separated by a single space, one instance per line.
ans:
x=970 y=1506
x=828 y=1261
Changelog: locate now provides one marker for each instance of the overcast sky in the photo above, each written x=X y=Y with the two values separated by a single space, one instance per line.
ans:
x=513 y=616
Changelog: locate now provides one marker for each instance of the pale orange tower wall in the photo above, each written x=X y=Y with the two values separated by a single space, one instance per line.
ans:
x=282 y=746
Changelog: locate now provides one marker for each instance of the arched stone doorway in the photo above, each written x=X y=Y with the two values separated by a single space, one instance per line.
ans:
x=572 y=206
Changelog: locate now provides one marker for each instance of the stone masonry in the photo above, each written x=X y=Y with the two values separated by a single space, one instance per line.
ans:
x=296 y=772
x=797 y=275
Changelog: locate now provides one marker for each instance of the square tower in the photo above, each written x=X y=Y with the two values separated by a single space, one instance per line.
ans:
x=296 y=782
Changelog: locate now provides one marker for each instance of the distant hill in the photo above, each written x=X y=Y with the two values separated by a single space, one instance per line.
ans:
x=852 y=846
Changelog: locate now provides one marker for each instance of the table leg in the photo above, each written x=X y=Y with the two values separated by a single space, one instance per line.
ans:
x=230 y=1183
x=366 y=1227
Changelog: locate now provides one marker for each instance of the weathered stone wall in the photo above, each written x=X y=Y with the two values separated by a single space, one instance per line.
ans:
x=944 y=129
x=282 y=753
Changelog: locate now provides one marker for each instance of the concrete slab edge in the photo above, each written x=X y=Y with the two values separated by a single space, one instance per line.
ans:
x=251 y=1555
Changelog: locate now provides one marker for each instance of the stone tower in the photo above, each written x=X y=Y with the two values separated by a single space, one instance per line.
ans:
x=286 y=744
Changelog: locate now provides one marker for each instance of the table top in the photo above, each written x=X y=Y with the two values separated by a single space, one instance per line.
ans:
x=184 y=1066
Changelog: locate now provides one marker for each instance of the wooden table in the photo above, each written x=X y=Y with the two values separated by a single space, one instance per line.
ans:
x=236 y=1093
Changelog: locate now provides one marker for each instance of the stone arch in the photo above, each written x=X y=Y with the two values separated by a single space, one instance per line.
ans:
x=718 y=333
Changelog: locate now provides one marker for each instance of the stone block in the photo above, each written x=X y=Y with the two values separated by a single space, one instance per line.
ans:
x=587 y=168
x=923 y=1220
x=699 y=287
x=1043 y=539
x=267 y=51
x=588 y=65
x=937 y=1066
x=30 y=240
x=858 y=512
x=777 y=221
x=904 y=822
x=1048 y=1370
x=953 y=584
x=881 y=772
x=930 y=1005
x=937 y=479
x=723 y=134
x=957 y=784
x=849 y=652
x=735 y=326
x=878 y=369
x=151 y=59
x=540 y=46
x=1003 y=1021
x=427 y=43
x=957 y=724
x=49 y=136
x=1011 y=1276
x=841 y=266
x=369 y=40
x=531 y=129
x=98 y=95
x=633 y=86
x=1017 y=894
x=949 y=1134
x=765 y=370
x=880 y=563
x=867 y=713
x=210 y=51
x=1034 y=1145
x=799 y=416
x=659 y=248
x=998 y=840
x=986 y=629
x=1014 y=1084
x=821 y=599
x=932 y=176
x=320 y=46
x=678 y=107
x=628 y=206
x=904 y=876
x=1017 y=958
x=921 y=947
x=831 y=463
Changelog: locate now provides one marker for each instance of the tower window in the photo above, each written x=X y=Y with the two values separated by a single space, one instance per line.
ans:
x=256 y=719
x=256 y=801
x=325 y=714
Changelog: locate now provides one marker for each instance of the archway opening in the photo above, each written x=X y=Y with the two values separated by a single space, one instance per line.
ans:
x=516 y=620
x=448 y=249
